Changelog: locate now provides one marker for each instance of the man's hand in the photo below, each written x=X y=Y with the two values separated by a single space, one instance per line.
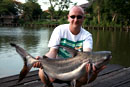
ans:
x=84 y=79
x=37 y=64
x=95 y=71
x=98 y=70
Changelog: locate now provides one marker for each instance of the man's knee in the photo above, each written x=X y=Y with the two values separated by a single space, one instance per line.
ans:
x=41 y=74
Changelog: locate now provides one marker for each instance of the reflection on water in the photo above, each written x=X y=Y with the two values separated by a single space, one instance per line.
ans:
x=116 y=41
x=35 y=42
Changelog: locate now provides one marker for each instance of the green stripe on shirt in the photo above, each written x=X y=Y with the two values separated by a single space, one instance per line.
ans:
x=65 y=42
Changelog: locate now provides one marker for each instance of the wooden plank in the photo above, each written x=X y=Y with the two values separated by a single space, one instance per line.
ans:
x=114 y=79
x=124 y=85
x=106 y=78
x=110 y=68
x=15 y=77
x=12 y=80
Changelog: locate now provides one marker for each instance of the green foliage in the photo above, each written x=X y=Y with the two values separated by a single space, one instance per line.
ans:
x=31 y=11
x=62 y=20
x=60 y=4
x=8 y=7
x=109 y=13
x=100 y=13
x=21 y=21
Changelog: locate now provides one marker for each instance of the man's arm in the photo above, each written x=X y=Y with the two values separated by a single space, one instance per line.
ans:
x=87 y=49
x=52 y=53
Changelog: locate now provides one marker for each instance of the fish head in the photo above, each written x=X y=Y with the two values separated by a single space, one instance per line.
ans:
x=99 y=58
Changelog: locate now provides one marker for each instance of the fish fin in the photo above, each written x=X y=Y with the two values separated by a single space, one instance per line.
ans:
x=47 y=83
x=73 y=83
x=12 y=44
x=28 y=61
x=20 y=51
x=89 y=77
x=46 y=76
x=90 y=72
x=44 y=57
x=23 y=73
x=72 y=51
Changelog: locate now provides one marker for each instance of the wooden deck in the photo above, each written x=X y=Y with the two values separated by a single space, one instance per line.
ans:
x=112 y=76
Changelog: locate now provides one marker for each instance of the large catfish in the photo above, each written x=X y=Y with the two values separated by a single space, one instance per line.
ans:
x=69 y=69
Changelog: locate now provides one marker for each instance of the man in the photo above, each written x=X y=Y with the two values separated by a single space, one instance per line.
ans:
x=71 y=35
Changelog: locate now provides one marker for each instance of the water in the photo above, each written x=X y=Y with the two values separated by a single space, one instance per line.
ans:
x=35 y=42
x=118 y=42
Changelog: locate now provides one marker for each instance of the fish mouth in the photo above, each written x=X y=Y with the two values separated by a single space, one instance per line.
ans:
x=110 y=56
x=103 y=61
x=107 y=57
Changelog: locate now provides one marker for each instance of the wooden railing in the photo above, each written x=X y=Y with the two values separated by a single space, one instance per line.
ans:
x=124 y=28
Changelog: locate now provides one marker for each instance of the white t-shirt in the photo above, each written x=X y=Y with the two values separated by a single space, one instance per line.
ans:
x=62 y=36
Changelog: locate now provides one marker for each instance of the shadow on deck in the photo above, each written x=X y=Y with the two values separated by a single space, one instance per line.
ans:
x=112 y=76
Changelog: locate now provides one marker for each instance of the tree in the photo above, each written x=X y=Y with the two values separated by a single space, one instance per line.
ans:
x=118 y=10
x=109 y=12
x=31 y=10
x=8 y=7
x=60 y=5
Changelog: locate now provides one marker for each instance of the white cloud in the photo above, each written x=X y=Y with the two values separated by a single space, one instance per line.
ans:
x=44 y=5
x=79 y=2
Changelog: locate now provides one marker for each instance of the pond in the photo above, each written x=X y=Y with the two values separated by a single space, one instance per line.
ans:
x=35 y=42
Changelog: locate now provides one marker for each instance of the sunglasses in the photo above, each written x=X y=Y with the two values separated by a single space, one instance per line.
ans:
x=78 y=17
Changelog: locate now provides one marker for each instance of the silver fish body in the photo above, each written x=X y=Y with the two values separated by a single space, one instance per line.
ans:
x=62 y=69
x=69 y=69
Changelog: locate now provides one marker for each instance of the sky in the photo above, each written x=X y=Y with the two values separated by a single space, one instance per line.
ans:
x=45 y=6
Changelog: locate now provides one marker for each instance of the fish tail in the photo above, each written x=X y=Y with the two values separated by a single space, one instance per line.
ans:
x=23 y=73
x=90 y=71
x=28 y=61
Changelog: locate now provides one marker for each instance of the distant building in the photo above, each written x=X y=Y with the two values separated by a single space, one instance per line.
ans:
x=86 y=5
x=7 y=19
x=46 y=11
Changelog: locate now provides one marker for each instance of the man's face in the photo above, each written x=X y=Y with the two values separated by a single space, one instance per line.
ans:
x=76 y=17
